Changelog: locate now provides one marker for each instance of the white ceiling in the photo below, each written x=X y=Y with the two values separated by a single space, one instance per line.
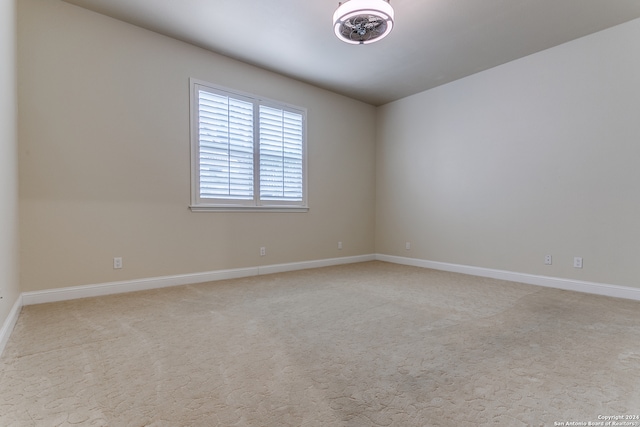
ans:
x=433 y=41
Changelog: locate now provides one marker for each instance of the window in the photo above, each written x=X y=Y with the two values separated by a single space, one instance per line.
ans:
x=247 y=153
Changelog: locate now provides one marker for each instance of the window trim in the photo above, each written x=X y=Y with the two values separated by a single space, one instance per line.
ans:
x=231 y=205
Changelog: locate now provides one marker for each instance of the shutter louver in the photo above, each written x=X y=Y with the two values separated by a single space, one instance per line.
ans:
x=247 y=153
x=281 y=137
x=225 y=147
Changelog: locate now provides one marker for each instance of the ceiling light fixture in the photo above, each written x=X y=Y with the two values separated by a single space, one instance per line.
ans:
x=363 y=21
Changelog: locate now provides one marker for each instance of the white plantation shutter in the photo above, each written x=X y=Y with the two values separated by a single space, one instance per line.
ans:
x=226 y=147
x=246 y=153
x=280 y=154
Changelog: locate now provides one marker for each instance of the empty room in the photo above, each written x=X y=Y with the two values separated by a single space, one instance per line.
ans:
x=312 y=213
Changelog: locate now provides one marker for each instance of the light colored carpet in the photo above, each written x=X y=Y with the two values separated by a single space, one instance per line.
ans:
x=370 y=344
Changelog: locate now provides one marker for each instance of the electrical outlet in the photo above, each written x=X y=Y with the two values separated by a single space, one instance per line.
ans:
x=407 y=246
x=263 y=251
x=117 y=263
x=548 y=260
x=339 y=245
x=577 y=262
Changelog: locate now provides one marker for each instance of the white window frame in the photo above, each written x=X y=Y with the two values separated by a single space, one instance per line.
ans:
x=199 y=204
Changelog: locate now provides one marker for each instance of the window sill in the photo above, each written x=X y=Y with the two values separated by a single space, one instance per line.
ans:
x=204 y=208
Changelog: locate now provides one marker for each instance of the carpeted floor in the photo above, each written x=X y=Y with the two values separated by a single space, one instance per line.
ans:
x=370 y=344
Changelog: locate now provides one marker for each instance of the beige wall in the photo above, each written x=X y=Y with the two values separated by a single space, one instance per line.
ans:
x=538 y=156
x=9 y=289
x=104 y=158
x=496 y=170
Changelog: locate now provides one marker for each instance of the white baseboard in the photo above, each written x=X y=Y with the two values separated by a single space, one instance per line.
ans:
x=63 y=294
x=281 y=268
x=101 y=289
x=531 y=279
x=10 y=323
x=110 y=288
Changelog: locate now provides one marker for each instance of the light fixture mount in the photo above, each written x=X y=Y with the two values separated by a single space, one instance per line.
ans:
x=363 y=21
